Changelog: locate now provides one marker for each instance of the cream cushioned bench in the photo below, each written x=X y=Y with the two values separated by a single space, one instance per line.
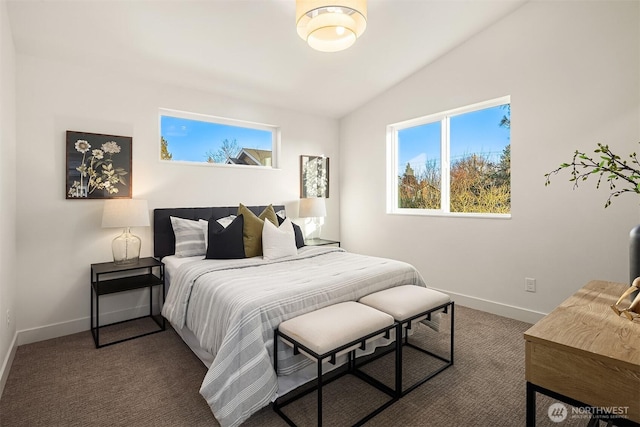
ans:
x=409 y=304
x=324 y=334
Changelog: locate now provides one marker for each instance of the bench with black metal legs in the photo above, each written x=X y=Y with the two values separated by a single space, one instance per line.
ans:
x=410 y=304
x=327 y=333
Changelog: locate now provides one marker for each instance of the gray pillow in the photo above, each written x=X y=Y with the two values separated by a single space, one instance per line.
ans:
x=189 y=237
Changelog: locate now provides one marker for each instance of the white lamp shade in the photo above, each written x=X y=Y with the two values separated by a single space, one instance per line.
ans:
x=313 y=207
x=331 y=25
x=125 y=213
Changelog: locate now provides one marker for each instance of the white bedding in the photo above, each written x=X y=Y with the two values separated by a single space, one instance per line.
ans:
x=233 y=306
x=172 y=263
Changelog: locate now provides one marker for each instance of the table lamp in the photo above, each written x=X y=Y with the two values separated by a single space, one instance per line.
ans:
x=313 y=207
x=125 y=213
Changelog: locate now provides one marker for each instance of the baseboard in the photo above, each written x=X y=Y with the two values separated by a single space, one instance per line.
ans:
x=8 y=361
x=55 y=330
x=493 y=307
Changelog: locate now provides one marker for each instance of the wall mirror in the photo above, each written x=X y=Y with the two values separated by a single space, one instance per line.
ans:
x=314 y=176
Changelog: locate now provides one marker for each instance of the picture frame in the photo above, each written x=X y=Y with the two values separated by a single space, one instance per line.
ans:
x=314 y=176
x=98 y=166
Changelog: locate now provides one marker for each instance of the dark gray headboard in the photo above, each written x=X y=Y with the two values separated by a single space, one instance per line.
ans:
x=164 y=241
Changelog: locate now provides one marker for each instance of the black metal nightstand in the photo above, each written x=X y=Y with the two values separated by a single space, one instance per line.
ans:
x=109 y=278
x=321 y=242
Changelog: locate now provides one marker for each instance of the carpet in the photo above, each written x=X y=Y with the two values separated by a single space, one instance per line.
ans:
x=154 y=381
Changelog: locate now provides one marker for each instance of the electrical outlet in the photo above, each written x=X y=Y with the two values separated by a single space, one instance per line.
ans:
x=529 y=284
x=9 y=319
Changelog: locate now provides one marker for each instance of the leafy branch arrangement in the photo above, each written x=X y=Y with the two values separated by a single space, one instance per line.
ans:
x=609 y=167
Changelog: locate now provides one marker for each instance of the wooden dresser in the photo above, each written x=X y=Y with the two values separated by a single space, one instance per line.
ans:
x=585 y=355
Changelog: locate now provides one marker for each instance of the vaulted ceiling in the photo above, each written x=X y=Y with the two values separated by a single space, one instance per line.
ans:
x=249 y=49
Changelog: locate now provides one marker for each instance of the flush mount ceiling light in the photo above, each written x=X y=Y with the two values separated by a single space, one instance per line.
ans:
x=331 y=26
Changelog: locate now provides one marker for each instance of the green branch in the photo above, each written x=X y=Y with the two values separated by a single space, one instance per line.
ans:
x=609 y=167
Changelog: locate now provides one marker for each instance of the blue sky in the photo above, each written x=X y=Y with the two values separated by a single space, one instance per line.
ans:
x=474 y=132
x=189 y=140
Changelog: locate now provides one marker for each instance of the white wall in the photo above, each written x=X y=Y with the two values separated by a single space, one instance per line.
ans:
x=58 y=239
x=8 y=258
x=572 y=70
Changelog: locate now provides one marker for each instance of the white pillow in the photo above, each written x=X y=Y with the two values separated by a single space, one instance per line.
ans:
x=189 y=237
x=226 y=220
x=278 y=242
x=205 y=229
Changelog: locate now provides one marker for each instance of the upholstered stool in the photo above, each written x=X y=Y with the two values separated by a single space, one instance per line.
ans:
x=409 y=304
x=324 y=334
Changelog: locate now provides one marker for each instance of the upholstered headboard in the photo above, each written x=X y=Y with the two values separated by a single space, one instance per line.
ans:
x=164 y=241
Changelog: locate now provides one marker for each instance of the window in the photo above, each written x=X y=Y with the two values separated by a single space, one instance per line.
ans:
x=190 y=137
x=453 y=163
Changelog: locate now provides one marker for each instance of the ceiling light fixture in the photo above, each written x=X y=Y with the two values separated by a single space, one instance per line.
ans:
x=331 y=26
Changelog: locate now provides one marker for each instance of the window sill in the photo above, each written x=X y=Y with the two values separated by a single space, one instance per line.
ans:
x=423 y=212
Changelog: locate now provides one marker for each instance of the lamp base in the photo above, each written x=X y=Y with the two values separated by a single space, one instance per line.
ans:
x=126 y=248
x=317 y=229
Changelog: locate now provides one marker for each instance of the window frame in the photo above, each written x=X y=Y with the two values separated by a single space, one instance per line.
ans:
x=444 y=118
x=274 y=129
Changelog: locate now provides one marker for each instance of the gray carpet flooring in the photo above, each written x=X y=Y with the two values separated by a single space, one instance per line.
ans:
x=154 y=381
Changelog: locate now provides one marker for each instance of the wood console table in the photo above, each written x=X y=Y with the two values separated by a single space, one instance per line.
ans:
x=583 y=354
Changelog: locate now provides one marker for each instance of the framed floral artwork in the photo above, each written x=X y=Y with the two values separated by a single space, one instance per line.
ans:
x=98 y=166
x=314 y=176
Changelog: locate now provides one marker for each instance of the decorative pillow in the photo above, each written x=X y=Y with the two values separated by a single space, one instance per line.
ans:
x=278 y=242
x=252 y=230
x=297 y=231
x=222 y=221
x=189 y=237
x=225 y=242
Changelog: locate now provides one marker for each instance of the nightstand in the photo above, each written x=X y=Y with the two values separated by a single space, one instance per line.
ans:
x=322 y=242
x=109 y=278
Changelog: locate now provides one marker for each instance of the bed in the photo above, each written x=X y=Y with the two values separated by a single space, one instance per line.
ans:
x=226 y=309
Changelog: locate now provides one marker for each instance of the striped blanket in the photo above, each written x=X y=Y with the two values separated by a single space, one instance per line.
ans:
x=233 y=306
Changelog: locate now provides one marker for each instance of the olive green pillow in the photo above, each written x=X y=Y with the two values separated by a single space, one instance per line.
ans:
x=252 y=229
